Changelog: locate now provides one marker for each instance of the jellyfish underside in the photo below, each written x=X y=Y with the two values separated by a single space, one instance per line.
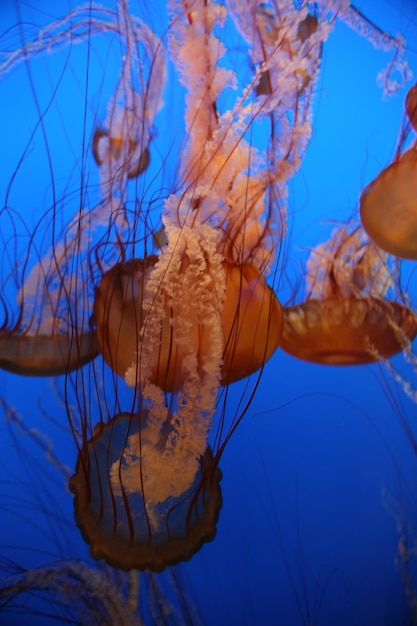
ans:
x=349 y=331
x=388 y=207
x=251 y=318
x=45 y=355
x=125 y=527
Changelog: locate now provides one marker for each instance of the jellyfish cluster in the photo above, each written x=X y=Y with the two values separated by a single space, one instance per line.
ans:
x=150 y=282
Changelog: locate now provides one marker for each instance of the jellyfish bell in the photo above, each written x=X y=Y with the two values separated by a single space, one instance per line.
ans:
x=44 y=331
x=47 y=575
x=250 y=316
x=28 y=354
x=347 y=332
x=138 y=508
x=347 y=318
x=388 y=207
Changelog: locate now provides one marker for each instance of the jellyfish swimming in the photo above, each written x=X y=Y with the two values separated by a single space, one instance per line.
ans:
x=59 y=582
x=45 y=331
x=388 y=205
x=168 y=241
x=251 y=322
x=347 y=318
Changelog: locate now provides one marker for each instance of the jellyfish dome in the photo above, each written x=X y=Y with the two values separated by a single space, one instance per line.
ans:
x=347 y=318
x=388 y=207
x=251 y=321
x=44 y=330
x=141 y=509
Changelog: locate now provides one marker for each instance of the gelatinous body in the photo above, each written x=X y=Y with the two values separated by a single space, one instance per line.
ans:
x=347 y=318
x=44 y=355
x=131 y=529
x=388 y=207
x=347 y=331
x=251 y=323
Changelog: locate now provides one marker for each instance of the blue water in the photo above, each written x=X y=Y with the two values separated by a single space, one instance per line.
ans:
x=320 y=478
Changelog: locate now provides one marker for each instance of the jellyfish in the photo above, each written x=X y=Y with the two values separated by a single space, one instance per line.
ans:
x=45 y=331
x=388 y=207
x=348 y=317
x=198 y=314
x=58 y=582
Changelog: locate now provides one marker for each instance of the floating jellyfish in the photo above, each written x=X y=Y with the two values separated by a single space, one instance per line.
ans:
x=58 y=582
x=348 y=317
x=199 y=314
x=388 y=205
x=45 y=332
x=251 y=322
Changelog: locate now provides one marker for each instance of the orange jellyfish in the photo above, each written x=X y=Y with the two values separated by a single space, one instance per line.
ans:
x=61 y=584
x=45 y=332
x=388 y=205
x=350 y=315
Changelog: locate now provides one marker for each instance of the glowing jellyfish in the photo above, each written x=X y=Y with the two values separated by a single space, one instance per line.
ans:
x=388 y=205
x=348 y=317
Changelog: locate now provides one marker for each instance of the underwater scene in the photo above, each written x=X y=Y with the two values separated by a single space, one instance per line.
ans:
x=208 y=310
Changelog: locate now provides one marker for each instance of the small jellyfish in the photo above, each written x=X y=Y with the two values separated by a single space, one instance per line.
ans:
x=136 y=158
x=347 y=318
